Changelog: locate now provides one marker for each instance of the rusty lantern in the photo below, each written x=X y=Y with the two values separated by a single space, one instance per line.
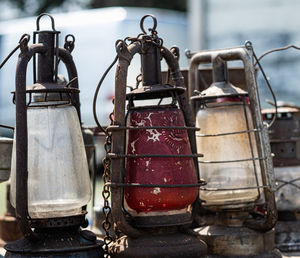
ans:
x=153 y=178
x=237 y=163
x=285 y=144
x=49 y=178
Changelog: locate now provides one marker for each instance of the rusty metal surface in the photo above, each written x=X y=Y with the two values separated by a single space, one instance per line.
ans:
x=246 y=56
x=287 y=236
x=154 y=246
x=57 y=243
x=157 y=241
x=125 y=54
x=69 y=240
x=117 y=165
x=285 y=136
x=237 y=242
x=236 y=75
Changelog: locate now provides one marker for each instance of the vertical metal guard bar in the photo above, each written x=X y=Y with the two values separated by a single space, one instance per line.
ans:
x=118 y=139
x=21 y=141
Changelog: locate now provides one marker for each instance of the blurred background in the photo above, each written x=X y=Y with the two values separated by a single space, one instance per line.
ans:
x=189 y=24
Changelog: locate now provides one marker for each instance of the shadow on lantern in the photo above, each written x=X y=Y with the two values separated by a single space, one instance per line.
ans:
x=49 y=179
x=237 y=163
x=151 y=159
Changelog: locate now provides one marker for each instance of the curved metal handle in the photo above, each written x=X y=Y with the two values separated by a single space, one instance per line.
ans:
x=154 y=23
x=66 y=57
x=125 y=54
x=39 y=18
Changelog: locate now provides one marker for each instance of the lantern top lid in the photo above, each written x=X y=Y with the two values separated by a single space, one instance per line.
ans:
x=220 y=90
x=154 y=91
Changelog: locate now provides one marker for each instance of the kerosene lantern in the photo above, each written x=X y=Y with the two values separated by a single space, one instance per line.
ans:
x=153 y=177
x=285 y=144
x=236 y=163
x=49 y=177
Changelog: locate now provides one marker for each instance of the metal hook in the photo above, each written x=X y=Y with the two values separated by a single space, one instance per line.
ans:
x=38 y=21
x=23 y=42
x=71 y=36
x=248 y=45
x=69 y=44
x=154 y=23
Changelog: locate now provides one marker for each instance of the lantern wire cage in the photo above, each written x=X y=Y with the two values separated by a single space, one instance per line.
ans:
x=118 y=133
x=259 y=154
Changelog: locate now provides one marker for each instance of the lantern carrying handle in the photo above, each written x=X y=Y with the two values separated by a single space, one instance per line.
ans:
x=39 y=18
x=153 y=29
x=246 y=56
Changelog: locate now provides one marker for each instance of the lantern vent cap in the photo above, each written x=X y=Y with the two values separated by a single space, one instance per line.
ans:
x=220 y=89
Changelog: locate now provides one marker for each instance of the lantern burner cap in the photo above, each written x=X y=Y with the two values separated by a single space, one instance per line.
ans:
x=220 y=90
x=154 y=91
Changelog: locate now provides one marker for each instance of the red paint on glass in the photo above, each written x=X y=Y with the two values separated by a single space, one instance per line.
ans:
x=157 y=170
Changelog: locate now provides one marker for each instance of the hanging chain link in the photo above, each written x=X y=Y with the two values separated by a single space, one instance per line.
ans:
x=106 y=224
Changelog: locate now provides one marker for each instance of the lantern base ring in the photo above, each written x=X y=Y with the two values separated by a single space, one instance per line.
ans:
x=57 y=243
x=77 y=220
x=176 y=244
x=161 y=221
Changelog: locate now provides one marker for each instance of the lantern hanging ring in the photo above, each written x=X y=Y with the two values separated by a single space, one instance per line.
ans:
x=39 y=18
x=153 y=29
x=69 y=43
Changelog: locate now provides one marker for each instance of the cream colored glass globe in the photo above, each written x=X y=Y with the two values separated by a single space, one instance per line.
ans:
x=225 y=119
x=58 y=176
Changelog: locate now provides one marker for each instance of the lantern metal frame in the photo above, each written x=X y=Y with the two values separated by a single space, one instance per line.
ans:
x=52 y=236
x=244 y=54
x=235 y=215
x=151 y=231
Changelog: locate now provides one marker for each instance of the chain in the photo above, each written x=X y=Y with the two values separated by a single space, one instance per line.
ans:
x=106 y=224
